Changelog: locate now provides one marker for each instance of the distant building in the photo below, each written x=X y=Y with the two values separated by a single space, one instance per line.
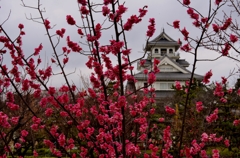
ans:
x=172 y=68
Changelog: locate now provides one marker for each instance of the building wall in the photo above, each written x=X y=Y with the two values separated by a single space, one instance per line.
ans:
x=161 y=51
x=167 y=48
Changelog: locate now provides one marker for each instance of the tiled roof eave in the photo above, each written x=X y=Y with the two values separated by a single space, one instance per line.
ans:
x=163 y=43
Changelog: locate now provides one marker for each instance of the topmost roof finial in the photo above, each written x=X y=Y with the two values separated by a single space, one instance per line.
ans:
x=163 y=30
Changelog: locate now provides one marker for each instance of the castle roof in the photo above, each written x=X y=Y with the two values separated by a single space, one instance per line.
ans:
x=162 y=40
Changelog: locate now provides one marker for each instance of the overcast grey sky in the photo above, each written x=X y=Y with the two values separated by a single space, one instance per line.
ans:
x=164 y=11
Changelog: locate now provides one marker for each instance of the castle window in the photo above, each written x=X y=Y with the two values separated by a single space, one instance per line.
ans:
x=163 y=52
x=170 y=51
x=166 y=86
x=156 y=50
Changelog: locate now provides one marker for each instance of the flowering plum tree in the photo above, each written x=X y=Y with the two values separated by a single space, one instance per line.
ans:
x=104 y=120
x=212 y=36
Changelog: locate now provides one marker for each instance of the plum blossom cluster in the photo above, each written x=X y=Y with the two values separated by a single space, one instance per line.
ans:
x=152 y=74
x=210 y=138
x=219 y=91
x=186 y=2
x=155 y=66
x=133 y=19
x=73 y=46
x=38 y=49
x=226 y=24
x=47 y=24
x=193 y=150
x=169 y=110
x=168 y=142
x=154 y=150
x=70 y=20
x=194 y=16
x=97 y=34
x=225 y=49
x=83 y=8
x=199 y=148
x=217 y=2
x=186 y=47
x=61 y=32
x=176 y=24
x=236 y=122
x=212 y=117
x=178 y=85
x=215 y=153
x=199 y=106
x=185 y=33
x=207 y=77
x=233 y=38
x=4 y=120
x=151 y=27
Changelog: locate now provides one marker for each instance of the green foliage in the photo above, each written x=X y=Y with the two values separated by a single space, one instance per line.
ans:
x=225 y=152
x=196 y=124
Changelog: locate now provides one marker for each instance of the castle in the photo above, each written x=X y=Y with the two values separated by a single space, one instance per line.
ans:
x=172 y=68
